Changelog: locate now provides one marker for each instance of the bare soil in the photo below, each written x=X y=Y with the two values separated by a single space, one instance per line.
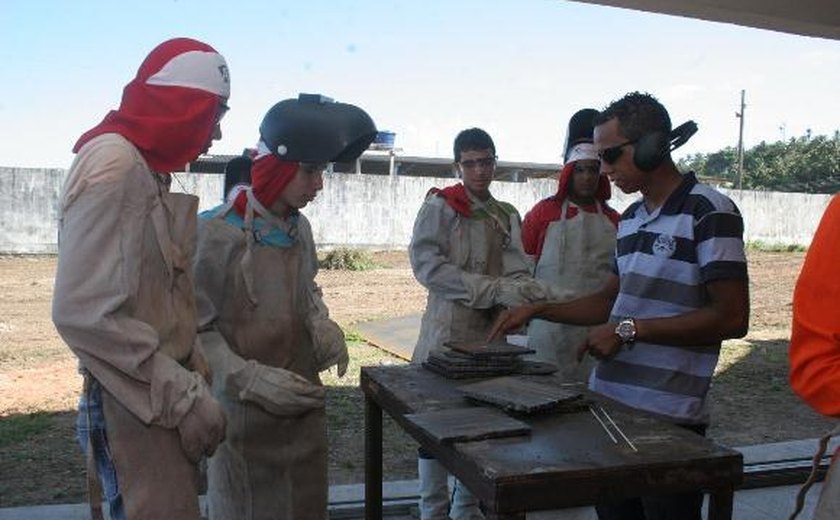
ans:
x=40 y=462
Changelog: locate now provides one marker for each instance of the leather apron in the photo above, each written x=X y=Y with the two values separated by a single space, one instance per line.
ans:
x=269 y=467
x=476 y=246
x=577 y=259
x=166 y=485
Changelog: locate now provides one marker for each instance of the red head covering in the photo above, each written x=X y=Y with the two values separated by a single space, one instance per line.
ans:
x=269 y=177
x=602 y=193
x=169 y=110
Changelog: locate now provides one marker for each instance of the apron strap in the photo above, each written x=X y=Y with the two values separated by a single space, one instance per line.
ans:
x=812 y=477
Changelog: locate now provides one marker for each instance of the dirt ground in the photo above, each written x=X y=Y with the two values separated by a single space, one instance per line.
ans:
x=751 y=400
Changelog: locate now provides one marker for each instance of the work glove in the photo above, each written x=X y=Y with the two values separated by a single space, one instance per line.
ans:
x=202 y=429
x=512 y=292
x=330 y=346
x=488 y=291
x=278 y=391
x=481 y=290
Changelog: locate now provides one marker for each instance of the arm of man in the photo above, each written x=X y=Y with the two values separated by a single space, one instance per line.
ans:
x=429 y=250
x=99 y=274
x=725 y=316
x=588 y=310
x=815 y=338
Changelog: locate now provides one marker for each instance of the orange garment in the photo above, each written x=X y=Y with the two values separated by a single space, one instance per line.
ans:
x=815 y=339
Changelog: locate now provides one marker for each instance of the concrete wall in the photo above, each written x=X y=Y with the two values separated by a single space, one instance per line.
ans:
x=368 y=210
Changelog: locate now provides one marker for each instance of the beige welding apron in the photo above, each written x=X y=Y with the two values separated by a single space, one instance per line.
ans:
x=577 y=259
x=269 y=467
x=476 y=246
x=169 y=490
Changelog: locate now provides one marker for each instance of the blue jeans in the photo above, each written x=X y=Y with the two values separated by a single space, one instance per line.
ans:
x=90 y=425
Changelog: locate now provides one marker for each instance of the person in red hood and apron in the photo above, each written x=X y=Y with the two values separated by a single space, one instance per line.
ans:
x=263 y=323
x=124 y=301
x=572 y=238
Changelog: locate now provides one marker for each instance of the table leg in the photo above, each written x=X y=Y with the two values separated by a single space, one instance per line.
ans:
x=720 y=503
x=373 y=460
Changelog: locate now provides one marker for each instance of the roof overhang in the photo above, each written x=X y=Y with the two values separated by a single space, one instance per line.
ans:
x=819 y=18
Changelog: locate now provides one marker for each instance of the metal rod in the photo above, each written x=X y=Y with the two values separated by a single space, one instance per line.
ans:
x=603 y=425
x=620 y=432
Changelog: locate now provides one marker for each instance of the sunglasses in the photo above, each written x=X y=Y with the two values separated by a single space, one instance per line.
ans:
x=486 y=162
x=611 y=154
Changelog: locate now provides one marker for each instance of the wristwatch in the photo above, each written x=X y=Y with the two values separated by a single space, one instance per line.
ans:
x=626 y=331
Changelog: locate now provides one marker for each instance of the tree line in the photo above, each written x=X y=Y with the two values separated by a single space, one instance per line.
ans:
x=807 y=164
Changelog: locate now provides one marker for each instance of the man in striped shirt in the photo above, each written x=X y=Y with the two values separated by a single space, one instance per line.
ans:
x=680 y=287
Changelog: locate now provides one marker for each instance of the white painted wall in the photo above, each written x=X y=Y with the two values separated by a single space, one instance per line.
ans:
x=369 y=210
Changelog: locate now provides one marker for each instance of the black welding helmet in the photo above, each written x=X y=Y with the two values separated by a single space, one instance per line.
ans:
x=580 y=130
x=314 y=128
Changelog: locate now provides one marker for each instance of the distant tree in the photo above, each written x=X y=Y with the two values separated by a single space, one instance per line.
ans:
x=809 y=164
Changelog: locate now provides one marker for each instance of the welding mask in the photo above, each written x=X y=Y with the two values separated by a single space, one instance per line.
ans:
x=316 y=129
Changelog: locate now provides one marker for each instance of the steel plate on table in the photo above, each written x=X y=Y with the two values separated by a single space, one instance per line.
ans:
x=482 y=348
x=468 y=424
x=524 y=395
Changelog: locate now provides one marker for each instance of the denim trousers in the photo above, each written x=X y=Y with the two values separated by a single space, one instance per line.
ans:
x=91 y=432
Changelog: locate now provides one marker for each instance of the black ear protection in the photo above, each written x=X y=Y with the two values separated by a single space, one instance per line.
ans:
x=650 y=150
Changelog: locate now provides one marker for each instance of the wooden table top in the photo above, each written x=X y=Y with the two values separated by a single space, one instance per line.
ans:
x=568 y=459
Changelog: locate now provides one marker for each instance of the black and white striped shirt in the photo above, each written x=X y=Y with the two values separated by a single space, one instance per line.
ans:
x=663 y=260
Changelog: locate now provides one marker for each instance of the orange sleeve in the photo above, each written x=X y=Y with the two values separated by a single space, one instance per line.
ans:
x=815 y=334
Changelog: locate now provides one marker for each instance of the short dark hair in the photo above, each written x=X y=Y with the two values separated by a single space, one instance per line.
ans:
x=472 y=139
x=638 y=114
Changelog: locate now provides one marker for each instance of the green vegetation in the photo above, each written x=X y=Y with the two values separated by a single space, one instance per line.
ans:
x=770 y=247
x=16 y=429
x=808 y=164
x=348 y=260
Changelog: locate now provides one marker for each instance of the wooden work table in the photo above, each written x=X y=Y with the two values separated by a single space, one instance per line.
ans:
x=567 y=460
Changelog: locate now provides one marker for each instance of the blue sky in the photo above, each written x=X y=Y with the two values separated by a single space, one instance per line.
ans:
x=423 y=69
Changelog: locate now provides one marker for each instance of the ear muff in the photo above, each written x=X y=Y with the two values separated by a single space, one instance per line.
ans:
x=650 y=150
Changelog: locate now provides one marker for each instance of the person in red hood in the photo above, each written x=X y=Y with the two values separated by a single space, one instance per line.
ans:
x=123 y=299
x=572 y=238
x=263 y=322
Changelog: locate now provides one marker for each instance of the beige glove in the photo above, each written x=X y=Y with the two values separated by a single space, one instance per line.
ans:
x=488 y=291
x=202 y=429
x=481 y=290
x=512 y=292
x=278 y=391
x=330 y=346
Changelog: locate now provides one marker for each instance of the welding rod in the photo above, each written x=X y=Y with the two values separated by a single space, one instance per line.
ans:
x=603 y=425
x=617 y=428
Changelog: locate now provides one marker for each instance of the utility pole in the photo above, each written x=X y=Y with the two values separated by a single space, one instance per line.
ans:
x=740 y=115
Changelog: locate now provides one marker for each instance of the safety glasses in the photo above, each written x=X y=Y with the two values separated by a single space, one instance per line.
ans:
x=611 y=154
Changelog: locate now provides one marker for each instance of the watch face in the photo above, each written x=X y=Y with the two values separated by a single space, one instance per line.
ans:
x=626 y=330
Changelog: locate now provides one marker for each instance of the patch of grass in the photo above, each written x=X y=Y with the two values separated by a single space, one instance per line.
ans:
x=773 y=247
x=352 y=336
x=348 y=260
x=16 y=429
